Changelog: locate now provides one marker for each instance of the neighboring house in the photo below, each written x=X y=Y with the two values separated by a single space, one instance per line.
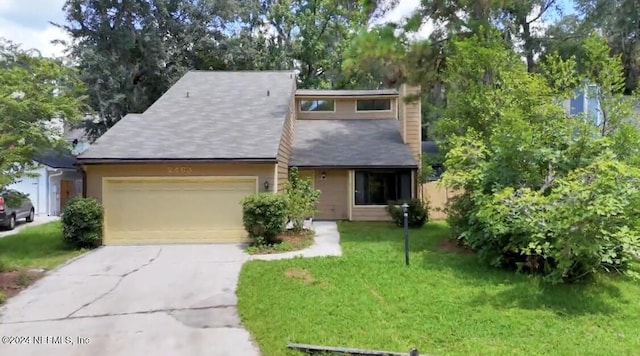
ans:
x=585 y=102
x=177 y=172
x=56 y=178
x=54 y=181
x=78 y=139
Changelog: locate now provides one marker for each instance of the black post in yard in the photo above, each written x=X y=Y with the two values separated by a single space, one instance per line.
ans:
x=405 y=212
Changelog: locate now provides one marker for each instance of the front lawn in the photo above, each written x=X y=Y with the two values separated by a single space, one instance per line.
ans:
x=38 y=246
x=25 y=255
x=445 y=303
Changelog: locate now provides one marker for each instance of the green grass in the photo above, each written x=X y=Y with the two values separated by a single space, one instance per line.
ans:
x=445 y=303
x=35 y=247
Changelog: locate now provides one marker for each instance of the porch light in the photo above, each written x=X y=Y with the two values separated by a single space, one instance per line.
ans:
x=324 y=175
x=266 y=185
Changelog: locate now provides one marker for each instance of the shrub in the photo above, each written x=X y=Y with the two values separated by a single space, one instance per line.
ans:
x=264 y=216
x=82 y=222
x=3 y=298
x=417 y=212
x=585 y=224
x=302 y=199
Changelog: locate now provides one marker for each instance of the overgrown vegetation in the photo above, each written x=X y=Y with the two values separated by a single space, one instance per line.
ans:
x=34 y=92
x=285 y=242
x=82 y=222
x=543 y=191
x=264 y=216
x=417 y=212
x=301 y=199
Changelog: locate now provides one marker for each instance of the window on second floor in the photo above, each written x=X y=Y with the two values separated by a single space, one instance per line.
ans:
x=317 y=105
x=373 y=105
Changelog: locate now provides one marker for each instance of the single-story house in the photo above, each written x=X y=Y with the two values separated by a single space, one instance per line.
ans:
x=54 y=181
x=177 y=172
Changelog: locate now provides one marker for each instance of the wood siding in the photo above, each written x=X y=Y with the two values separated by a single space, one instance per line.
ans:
x=437 y=197
x=411 y=120
x=333 y=201
x=345 y=108
x=95 y=173
x=369 y=213
x=286 y=144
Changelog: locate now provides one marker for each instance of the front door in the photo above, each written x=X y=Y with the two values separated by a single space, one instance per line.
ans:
x=67 y=191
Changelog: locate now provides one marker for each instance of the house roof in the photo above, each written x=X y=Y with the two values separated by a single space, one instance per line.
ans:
x=205 y=116
x=61 y=159
x=350 y=143
x=430 y=147
x=378 y=92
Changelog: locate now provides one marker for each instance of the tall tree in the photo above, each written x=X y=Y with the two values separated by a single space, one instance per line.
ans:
x=129 y=52
x=37 y=95
x=619 y=22
x=565 y=37
x=310 y=36
x=540 y=191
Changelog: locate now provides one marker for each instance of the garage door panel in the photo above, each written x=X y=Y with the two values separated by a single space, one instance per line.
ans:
x=175 y=210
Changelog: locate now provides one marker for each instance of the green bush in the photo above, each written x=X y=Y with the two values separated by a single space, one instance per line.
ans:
x=264 y=216
x=302 y=199
x=82 y=222
x=586 y=224
x=417 y=212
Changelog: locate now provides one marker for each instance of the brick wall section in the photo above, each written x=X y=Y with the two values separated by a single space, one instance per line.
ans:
x=411 y=119
x=286 y=143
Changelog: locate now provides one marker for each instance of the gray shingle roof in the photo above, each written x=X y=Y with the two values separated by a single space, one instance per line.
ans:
x=54 y=158
x=205 y=115
x=350 y=143
x=430 y=147
x=313 y=92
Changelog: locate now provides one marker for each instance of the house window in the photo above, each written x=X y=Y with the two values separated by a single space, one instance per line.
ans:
x=373 y=105
x=380 y=187
x=317 y=105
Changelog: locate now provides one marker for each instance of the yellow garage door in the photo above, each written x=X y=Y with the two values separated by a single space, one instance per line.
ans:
x=169 y=210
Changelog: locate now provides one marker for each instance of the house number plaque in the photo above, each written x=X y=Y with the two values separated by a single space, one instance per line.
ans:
x=179 y=170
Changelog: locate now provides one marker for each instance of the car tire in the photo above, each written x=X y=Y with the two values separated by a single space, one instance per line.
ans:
x=31 y=216
x=12 y=222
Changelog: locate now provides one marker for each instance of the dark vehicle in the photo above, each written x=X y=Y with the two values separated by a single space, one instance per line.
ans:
x=13 y=206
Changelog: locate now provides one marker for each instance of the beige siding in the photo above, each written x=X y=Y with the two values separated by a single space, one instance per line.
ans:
x=412 y=117
x=95 y=173
x=333 y=201
x=346 y=109
x=369 y=213
x=286 y=144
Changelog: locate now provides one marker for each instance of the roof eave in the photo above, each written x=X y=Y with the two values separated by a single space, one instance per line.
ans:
x=356 y=166
x=350 y=96
x=165 y=160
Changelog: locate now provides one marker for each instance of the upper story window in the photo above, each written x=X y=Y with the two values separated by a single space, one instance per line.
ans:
x=317 y=105
x=373 y=105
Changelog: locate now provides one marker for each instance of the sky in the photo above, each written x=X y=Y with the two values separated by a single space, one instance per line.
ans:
x=27 y=22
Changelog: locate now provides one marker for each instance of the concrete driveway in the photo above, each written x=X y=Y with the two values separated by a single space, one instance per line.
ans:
x=132 y=300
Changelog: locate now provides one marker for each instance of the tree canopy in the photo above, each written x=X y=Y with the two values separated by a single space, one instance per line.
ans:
x=36 y=95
